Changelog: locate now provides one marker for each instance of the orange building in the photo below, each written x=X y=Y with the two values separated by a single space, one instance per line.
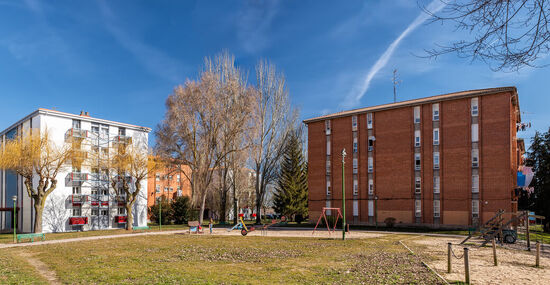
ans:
x=169 y=183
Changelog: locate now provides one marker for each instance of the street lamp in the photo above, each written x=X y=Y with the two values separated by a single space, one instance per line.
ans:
x=14 y=198
x=343 y=196
x=376 y=211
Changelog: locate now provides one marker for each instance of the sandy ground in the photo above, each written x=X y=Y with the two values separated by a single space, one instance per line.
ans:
x=300 y=233
x=514 y=266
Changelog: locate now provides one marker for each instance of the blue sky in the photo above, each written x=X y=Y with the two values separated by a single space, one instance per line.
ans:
x=119 y=60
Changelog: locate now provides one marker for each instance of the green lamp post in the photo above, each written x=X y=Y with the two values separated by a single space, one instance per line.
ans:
x=343 y=196
x=14 y=198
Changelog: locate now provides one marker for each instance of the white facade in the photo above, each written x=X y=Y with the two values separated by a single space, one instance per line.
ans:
x=83 y=198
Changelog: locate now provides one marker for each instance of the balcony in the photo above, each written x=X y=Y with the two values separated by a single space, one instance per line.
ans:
x=120 y=200
x=121 y=219
x=121 y=139
x=99 y=200
x=76 y=178
x=78 y=199
x=99 y=177
x=75 y=133
x=78 y=221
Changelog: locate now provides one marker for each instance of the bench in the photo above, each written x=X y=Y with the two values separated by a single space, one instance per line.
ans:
x=194 y=227
x=144 y=228
x=30 y=236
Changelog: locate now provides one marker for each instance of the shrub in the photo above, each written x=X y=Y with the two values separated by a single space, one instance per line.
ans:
x=181 y=208
x=390 y=222
x=166 y=212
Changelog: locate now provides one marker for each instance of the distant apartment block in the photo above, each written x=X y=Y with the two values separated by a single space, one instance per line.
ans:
x=443 y=161
x=169 y=183
x=83 y=199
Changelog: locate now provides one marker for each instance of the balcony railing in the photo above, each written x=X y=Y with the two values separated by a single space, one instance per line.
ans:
x=78 y=199
x=76 y=133
x=122 y=139
x=77 y=177
x=99 y=200
x=121 y=219
x=75 y=221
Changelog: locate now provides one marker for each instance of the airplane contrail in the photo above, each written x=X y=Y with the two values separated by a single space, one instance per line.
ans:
x=354 y=97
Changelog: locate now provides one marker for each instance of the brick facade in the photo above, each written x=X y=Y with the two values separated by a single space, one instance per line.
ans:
x=396 y=173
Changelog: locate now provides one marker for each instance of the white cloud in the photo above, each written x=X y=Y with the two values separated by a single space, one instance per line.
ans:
x=359 y=91
x=253 y=23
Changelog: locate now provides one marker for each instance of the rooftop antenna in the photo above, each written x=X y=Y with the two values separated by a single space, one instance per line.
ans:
x=396 y=82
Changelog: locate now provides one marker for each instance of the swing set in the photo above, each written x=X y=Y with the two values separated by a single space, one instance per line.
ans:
x=324 y=215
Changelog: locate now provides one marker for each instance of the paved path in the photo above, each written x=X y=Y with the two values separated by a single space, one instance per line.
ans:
x=291 y=232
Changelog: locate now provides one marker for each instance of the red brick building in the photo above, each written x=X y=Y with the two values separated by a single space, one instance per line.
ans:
x=169 y=184
x=443 y=161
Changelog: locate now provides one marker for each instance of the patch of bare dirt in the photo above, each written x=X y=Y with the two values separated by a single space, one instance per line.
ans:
x=41 y=267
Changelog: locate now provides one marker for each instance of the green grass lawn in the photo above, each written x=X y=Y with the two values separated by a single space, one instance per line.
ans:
x=15 y=270
x=229 y=259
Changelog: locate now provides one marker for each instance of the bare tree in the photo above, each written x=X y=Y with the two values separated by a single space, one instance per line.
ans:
x=513 y=33
x=129 y=166
x=203 y=118
x=273 y=117
x=33 y=153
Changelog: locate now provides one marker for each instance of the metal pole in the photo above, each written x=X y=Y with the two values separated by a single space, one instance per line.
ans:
x=537 y=263
x=527 y=229
x=14 y=219
x=343 y=197
x=449 y=248
x=495 y=261
x=466 y=266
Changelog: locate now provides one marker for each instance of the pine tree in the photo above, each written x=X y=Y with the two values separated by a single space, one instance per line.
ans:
x=539 y=159
x=291 y=196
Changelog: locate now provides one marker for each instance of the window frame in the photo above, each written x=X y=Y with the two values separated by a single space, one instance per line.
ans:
x=436 y=160
x=436 y=136
x=435 y=112
x=417 y=184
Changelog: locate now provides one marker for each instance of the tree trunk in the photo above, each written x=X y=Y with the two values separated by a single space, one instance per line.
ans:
x=201 y=211
x=258 y=197
x=38 y=210
x=129 y=216
x=235 y=214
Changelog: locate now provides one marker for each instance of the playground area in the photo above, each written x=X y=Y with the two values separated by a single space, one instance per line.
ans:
x=278 y=256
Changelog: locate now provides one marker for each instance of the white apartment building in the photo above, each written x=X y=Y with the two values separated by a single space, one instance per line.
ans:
x=83 y=198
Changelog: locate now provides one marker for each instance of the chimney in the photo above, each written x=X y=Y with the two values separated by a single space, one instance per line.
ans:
x=84 y=114
x=81 y=113
x=87 y=114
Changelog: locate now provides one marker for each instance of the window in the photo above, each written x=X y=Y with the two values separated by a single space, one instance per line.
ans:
x=354 y=123
x=369 y=121
x=435 y=112
x=328 y=187
x=76 y=124
x=95 y=128
x=371 y=187
x=95 y=191
x=371 y=143
x=95 y=212
x=417 y=184
x=436 y=184
x=121 y=131
x=157 y=189
x=165 y=189
x=475 y=106
x=475 y=183
x=475 y=158
x=77 y=212
x=436 y=136
x=354 y=145
x=76 y=190
x=122 y=211
x=355 y=208
x=475 y=208
x=170 y=177
x=327 y=127
x=105 y=131
x=104 y=212
x=105 y=191
x=328 y=167
x=417 y=161
x=180 y=193
x=157 y=177
x=328 y=145
x=355 y=187
x=171 y=189
x=416 y=138
x=178 y=177
x=370 y=165
x=436 y=160
x=328 y=212
x=417 y=114
x=437 y=208
x=371 y=208
x=417 y=208
x=475 y=137
x=355 y=165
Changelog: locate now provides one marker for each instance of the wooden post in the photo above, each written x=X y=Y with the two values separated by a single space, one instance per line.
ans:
x=528 y=236
x=537 y=263
x=495 y=252
x=466 y=266
x=449 y=248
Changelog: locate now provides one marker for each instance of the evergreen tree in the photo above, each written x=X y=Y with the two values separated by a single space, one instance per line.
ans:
x=291 y=193
x=539 y=159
